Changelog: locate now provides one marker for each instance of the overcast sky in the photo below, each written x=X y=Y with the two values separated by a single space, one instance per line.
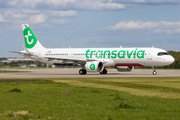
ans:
x=91 y=23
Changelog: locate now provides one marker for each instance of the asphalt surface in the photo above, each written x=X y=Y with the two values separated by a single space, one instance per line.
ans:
x=74 y=73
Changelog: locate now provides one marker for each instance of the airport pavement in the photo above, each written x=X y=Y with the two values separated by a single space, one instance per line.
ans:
x=74 y=73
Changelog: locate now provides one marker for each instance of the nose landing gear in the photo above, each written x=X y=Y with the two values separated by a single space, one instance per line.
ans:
x=154 y=70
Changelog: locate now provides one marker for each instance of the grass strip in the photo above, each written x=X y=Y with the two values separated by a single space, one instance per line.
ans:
x=8 y=71
x=57 y=100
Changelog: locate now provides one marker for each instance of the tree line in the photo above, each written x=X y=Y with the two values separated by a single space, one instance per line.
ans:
x=176 y=63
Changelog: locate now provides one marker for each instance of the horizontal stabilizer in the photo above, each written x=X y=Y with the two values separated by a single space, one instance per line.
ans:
x=23 y=53
x=14 y=52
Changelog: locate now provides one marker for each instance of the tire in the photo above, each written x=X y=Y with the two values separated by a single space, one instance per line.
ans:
x=154 y=72
x=82 y=71
x=104 y=71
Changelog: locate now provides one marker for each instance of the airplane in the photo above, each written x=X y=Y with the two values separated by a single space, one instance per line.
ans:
x=94 y=59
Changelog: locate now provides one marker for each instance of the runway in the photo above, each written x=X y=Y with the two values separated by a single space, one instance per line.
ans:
x=74 y=73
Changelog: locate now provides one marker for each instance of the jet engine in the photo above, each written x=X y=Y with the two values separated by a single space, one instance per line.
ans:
x=95 y=66
x=125 y=68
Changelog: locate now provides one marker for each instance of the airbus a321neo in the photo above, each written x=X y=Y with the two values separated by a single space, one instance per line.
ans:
x=94 y=59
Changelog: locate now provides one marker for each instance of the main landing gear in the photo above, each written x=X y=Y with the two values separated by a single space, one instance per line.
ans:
x=154 y=70
x=104 y=71
x=82 y=71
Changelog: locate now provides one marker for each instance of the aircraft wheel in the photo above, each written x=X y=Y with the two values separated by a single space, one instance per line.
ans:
x=154 y=72
x=82 y=71
x=104 y=71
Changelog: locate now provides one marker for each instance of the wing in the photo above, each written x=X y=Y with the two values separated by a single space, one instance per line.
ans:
x=75 y=60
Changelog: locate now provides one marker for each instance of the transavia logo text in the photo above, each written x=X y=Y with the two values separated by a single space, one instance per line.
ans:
x=92 y=66
x=114 y=54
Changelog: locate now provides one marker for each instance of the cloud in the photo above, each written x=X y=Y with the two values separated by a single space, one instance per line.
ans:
x=67 y=4
x=23 y=3
x=60 y=21
x=105 y=6
x=68 y=13
x=30 y=11
x=148 y=2
x=36 y=19
x=86 y=4
x=14 y=14
x=158 y=31
x=82 y=4
x=156 y=27
x=2 y=19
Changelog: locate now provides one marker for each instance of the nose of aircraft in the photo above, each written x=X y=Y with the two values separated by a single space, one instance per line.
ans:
x=171 y=60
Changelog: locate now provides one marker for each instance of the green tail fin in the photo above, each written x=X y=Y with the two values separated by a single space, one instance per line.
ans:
x=30 y=39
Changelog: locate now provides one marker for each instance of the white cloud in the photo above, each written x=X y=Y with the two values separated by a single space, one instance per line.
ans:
x=24 y=3
x=151 y=1
x=106 y=6
x=64 y=2
x=30 y=11
x=167 y=31
x=14 y=14
x=60 y=21
x=36 y=19
x=68 y=13
x=84 y=4
x=156 y=27
x=2 y=19
x=148 y=2
x=67 y=4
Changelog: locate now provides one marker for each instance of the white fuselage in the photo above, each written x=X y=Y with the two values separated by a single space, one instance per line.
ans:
x=109 y=56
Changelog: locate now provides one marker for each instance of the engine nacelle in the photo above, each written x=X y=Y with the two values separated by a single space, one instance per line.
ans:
x=125 y=68
x=94 y=66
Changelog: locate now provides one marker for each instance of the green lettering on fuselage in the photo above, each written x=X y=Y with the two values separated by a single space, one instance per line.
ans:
x=129 y=54
x=87 y=53
x=114 y=54
x=106 y=51
x=92 y=53
x=122 y=54
x=140 y=54
x=99 y=54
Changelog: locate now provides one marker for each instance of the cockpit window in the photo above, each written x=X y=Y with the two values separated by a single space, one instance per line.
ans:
x=162 y=53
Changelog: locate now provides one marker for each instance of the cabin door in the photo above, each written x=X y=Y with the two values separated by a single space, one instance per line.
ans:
x=149 y=55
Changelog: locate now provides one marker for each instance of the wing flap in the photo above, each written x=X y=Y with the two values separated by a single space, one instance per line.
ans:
x=71 y=59
x=66 y=59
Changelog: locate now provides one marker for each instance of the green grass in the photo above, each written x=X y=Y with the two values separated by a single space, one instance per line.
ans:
x=8 y=71
x=91 y=98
